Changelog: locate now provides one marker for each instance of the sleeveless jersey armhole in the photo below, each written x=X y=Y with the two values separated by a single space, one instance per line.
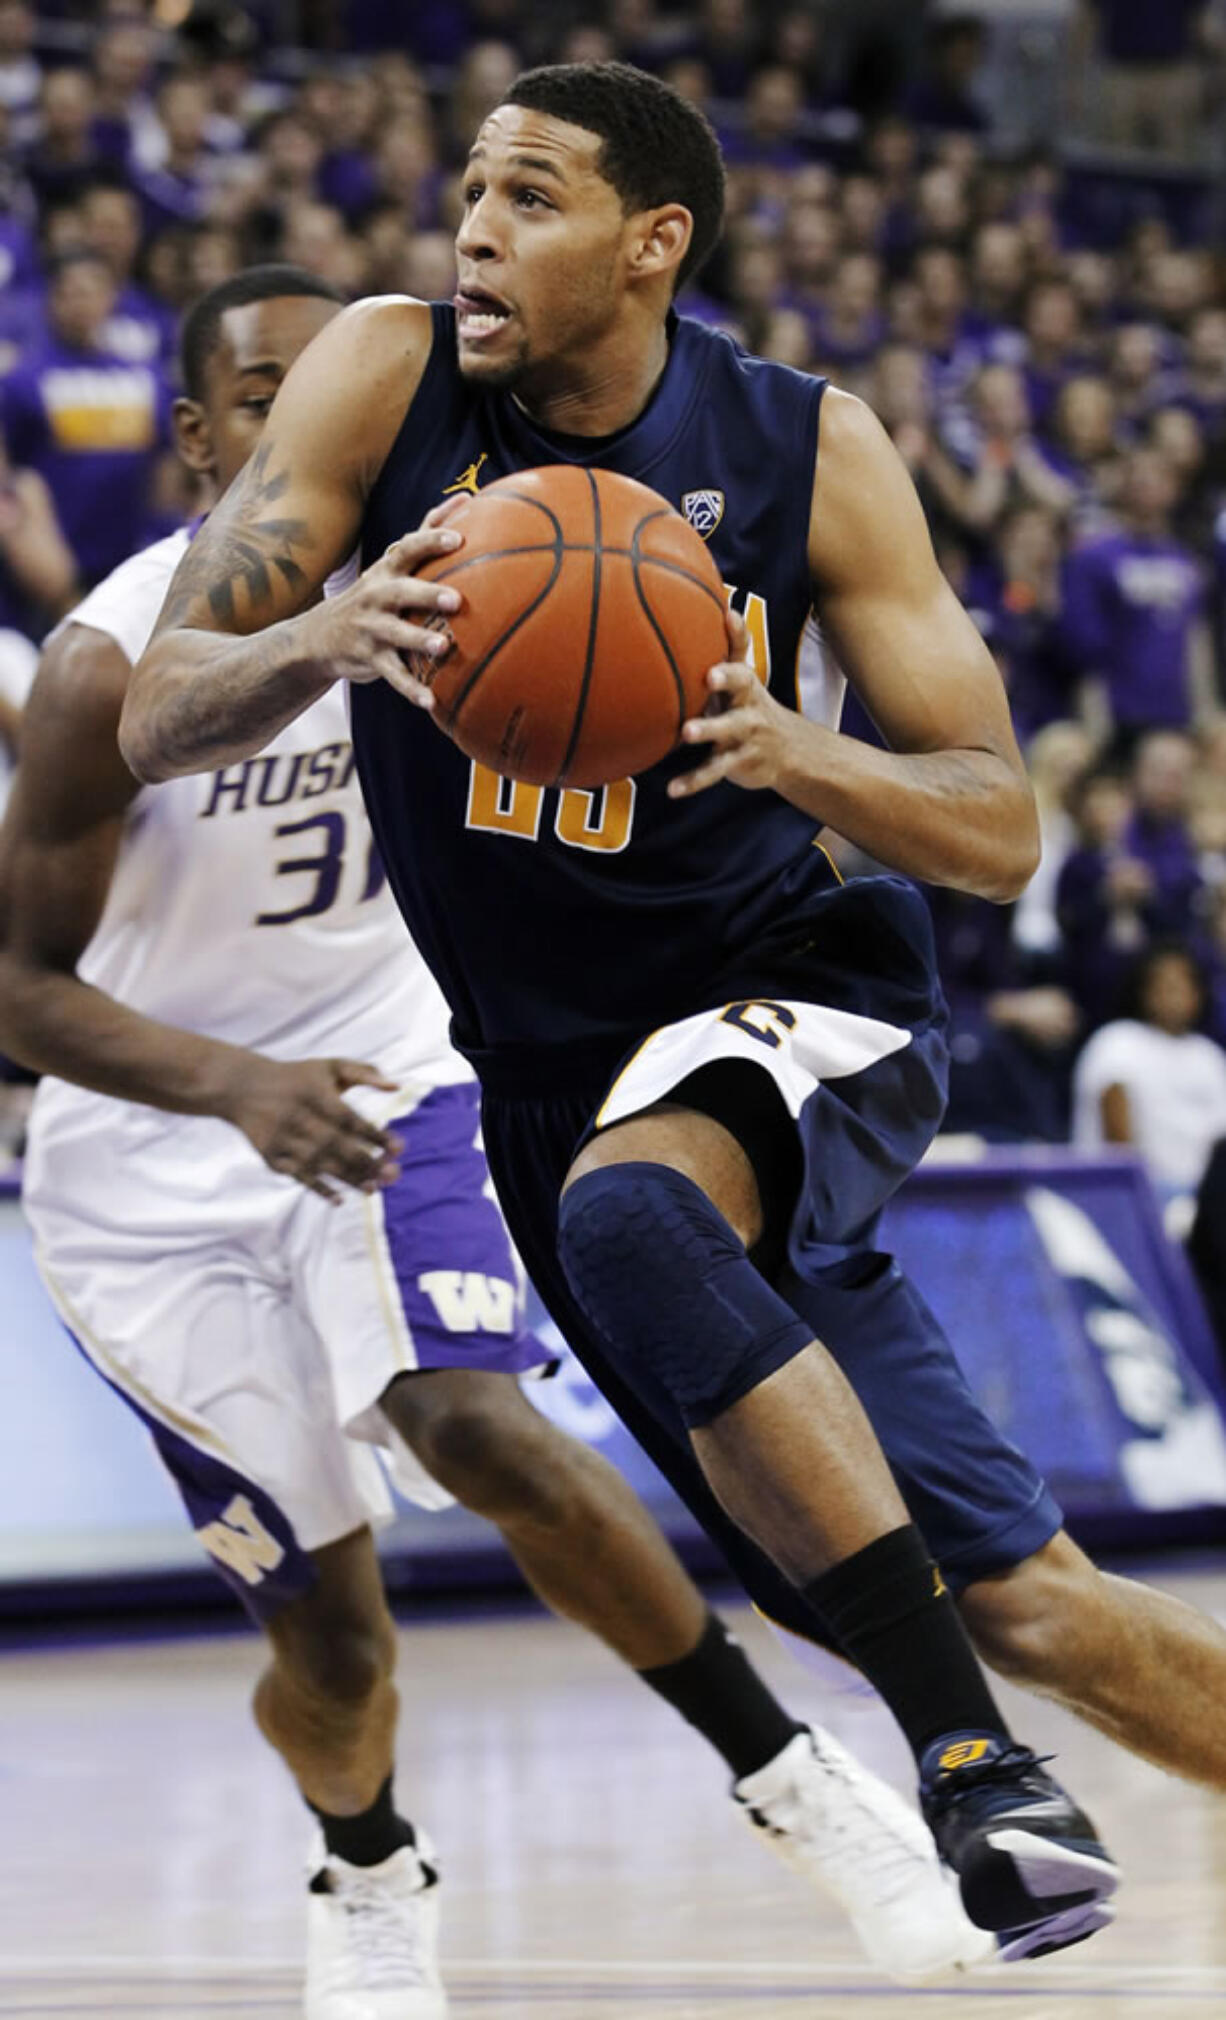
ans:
x=808 y=440
x=424 y=414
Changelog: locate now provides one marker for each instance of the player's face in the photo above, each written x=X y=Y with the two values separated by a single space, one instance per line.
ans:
x=258 y=342
x=540 y=251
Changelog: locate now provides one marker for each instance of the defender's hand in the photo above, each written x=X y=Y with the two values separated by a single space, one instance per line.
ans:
x=747 y=729
x=367 y=631
x=294 y=1114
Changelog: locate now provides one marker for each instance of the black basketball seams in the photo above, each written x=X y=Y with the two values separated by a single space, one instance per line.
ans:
x=558 y=548
x=585 y=679
x=651 y=617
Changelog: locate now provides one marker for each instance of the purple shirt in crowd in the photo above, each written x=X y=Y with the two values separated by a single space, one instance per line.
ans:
x=92 y=425
x=1129 y=608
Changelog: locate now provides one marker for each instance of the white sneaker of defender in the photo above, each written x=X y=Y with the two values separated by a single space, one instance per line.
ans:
x=850 y=1834
x=372 y=1938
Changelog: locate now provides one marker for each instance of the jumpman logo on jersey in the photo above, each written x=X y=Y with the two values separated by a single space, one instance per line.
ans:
x=469 y=479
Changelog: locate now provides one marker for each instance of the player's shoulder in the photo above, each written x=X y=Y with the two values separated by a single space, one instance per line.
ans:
x=125 y=604
x=347 y=395
x=379 y=333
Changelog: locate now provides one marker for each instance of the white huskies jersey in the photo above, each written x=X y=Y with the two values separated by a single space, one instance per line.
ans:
x=248 y=903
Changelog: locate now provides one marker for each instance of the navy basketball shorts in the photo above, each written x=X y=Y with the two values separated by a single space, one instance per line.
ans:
x=858 y=1097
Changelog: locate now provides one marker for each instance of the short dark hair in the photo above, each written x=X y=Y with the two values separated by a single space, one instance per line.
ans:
x=658 y=148
x=202 y=327
x=1136 y=982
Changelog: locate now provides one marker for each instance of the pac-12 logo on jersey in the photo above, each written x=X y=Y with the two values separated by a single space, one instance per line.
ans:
x=704 y=510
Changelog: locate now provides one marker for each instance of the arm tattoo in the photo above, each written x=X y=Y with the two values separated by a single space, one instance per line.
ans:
x=230 y=565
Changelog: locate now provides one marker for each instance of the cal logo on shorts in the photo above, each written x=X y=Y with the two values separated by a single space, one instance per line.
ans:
x=963 y=1753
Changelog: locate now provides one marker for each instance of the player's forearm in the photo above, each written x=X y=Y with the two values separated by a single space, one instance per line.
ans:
x=965 y=818
x=198 y=699
x=53 y=1022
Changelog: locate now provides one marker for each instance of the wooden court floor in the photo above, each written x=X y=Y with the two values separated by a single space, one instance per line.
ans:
x=150 y=1847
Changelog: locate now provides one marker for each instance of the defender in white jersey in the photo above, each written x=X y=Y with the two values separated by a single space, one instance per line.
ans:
x=282 y=1258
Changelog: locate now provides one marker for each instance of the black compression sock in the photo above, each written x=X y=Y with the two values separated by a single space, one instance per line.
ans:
x=889 y=1608
x=372 y=1836
x=717 y=1689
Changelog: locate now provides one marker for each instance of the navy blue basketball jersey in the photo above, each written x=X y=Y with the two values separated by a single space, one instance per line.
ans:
x=583 y=919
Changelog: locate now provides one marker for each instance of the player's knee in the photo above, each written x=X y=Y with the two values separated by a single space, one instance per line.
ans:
x=486 y=1450
x=1028 y=1623
x=666 y=1282
x=339 y=1658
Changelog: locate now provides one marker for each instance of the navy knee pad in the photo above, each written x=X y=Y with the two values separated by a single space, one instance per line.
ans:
x=665 y=1282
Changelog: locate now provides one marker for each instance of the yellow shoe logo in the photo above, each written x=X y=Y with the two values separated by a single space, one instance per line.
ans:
x=939 y=1587
x=469 y=479
x=963 y=1753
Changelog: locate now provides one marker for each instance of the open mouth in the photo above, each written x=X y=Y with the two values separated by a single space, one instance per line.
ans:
x=479 y=314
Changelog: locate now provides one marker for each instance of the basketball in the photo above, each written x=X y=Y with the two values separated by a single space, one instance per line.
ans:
x=592 y=614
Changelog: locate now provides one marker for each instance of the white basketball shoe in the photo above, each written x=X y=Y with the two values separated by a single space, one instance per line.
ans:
x=372 y=1937
x=851 y=1835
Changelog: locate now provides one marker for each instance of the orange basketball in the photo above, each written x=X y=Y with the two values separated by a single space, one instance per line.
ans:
x=592 y=613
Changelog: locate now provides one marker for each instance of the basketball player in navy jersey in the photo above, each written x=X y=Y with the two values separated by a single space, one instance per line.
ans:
x=705 y=1064
x=252 y=1323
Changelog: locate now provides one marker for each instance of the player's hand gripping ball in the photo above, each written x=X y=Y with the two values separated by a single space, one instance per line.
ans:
x=591 y=615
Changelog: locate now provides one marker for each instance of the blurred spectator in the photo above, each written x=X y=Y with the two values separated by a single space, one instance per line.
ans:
x=849 y=328
x=1158 y=833
x=810 y=255
x=728 y=43
x=315 y=237
x=1056 y=758
x=1203 y=388
x=942 y=209
x=996 y=465
x=125 y=124
x=1053 y=346
x=429 y=267
x=65 y=154
x=1138 y=377
x=1175 y=433
x=88 y=423
x=406 y=170
x=945 y=96
x=797 y=41
x=485 y=75
x=1104 y=897
x=21 y=75
x=38 y=571
x=176 y=191
x=998 y=285
x=1151 y=83
x=1152 y=1079
x=862 y=215
x=1135 y=604
x=1083 y=451
x=767 y=132
x=1025 y=624
x=942 y=327
x=139 y=328
x=1011 y=1039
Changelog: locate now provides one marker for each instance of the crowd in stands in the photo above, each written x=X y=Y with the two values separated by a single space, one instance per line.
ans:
x=1047 y=351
